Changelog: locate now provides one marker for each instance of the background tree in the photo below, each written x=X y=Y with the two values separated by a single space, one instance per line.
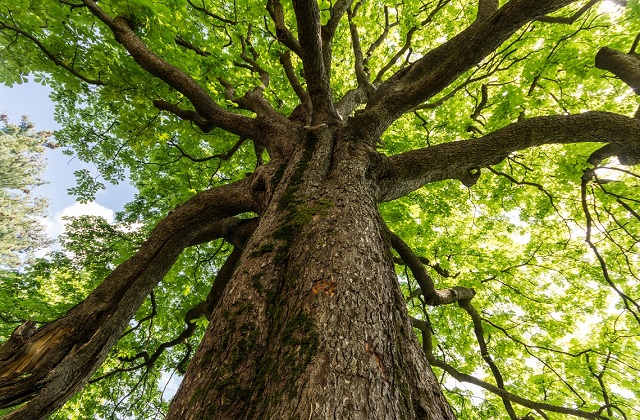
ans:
x=21 y=165
x=299 y=165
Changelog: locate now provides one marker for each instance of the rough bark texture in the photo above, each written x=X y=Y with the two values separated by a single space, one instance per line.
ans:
x=625 y=66
x=313 y=324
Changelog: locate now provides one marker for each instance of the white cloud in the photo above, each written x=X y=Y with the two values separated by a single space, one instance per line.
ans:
x=56 y=225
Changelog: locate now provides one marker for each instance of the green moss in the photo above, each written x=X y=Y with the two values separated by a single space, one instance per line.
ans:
x=288 y=197
x=286 y=232
x=301 y=331
x=245 y=346
x=300 y=341
x=277 y=177
x=199 y=395
x=206 y=357
x=267 y=248
x=299 y=338
x=257 y=283
x=263 y=250
x=231 y=392
x=297 y=213
x=274 y=306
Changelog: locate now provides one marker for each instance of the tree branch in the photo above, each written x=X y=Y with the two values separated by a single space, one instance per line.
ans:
x=328 y=31
x=221 y=156
x=462 y=160
x=175 y=77
x=50 y=55
x=626 y=67
x=361 y=74
x=569 y=19
x=212 y=15
x=433 y=296
x=285 y=60
x=486 y=8
x=276 y=11
x=53 y=362
x=411 y=86
x=185 y=114
x=425 y=328
x=309 y=34
x=241 y=234
x=484 y=352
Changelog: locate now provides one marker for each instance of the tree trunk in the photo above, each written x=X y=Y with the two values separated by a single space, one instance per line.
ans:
x=313 y=324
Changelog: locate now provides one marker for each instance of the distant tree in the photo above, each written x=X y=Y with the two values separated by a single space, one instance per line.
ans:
x=347 y=209
x=21 y=166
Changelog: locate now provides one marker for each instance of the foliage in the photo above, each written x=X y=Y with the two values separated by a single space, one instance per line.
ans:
x=547 y=238
x=21 y=165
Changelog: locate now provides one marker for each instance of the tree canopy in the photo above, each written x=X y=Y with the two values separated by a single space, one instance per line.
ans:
x=21 y=166
x=502 y=138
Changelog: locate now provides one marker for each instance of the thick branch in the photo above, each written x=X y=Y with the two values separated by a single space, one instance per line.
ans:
x=433 y=297
x=175 y=77
x=328 y=31
x=309 y=34
x=486 y=8
x=462 y=159
x=411 y=86
x=569 y=19
x=625 y=66
x=284 y=35
x=351 y=100
x=361 y=75
x=285 y=60
x=185 y=114
x=52 y=363
x=241 y=233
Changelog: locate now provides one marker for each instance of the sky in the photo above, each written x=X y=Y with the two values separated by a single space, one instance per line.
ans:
x=32 y=99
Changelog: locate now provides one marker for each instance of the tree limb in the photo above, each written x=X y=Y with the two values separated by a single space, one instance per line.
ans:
x=425 y=328
x=175 y=77
x=276 y=11
x=569 y=19
x=285 y=60
x=626 y=67
x=329 y=29
x=212 y=15
x=309 y=34
x=486 y=8
x=484 y=352
x=361 y=74
x=462 y=160
x=411 y=86
x=241 y=234
x=53 y=362
x=185 y=114
x=433 y=296
x=50 y=55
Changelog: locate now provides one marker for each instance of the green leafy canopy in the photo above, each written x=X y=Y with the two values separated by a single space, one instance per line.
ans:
x=548 y=237
x=21 y=165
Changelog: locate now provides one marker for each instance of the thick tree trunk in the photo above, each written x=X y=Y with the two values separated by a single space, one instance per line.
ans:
x=313 y=324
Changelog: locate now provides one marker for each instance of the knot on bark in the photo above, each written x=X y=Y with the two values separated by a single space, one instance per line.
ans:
x=470 y=177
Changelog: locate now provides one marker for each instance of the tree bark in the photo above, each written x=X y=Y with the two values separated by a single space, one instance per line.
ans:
x=625 y=66
x=313 y=324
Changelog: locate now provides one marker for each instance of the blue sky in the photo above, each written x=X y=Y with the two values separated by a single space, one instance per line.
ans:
x=32 y=99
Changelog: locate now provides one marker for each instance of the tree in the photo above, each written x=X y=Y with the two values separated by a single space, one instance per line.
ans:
x=21 y=164
x=461 y=168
